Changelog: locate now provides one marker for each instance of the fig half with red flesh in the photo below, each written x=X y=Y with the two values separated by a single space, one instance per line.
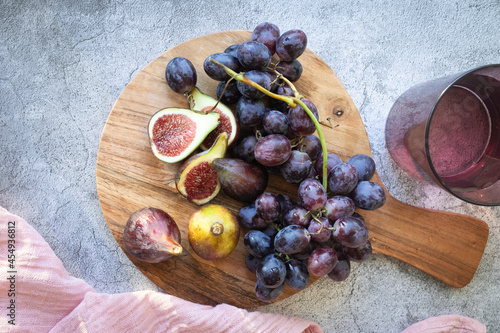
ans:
x=227 y=121
x=196 y=180
x=174 y=133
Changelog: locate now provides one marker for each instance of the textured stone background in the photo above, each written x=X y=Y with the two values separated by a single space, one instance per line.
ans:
x=64 y=63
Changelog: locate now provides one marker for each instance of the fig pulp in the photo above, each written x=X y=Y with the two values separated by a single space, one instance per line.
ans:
x=239 y=179
x=174 y=133
x=213 y=232
x=196 y=180
x=227 y=121
x=152 y=235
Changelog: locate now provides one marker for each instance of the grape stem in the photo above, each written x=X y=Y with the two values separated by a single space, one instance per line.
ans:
x=291 y=101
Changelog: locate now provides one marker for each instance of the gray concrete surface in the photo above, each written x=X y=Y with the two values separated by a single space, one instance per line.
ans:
x=64 y=63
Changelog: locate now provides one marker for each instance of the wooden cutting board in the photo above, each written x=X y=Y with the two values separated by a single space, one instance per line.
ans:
x=445 y=245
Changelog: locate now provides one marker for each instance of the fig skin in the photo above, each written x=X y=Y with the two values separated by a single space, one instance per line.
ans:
x=239 y=179
x=151 y=235
x=213 y=232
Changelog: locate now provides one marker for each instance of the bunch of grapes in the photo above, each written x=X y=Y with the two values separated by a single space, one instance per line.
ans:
x=321 y=233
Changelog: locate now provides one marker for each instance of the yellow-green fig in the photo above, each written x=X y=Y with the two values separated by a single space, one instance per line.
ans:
x=213 y=231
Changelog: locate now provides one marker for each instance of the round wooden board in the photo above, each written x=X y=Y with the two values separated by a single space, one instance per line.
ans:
x=130 y=177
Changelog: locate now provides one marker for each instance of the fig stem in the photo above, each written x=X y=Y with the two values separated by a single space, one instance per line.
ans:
x=217 y=228
x=291 y=101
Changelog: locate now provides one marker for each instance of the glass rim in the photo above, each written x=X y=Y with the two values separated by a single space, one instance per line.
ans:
x=427 y=129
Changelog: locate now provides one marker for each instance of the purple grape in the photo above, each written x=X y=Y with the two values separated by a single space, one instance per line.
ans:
x=266 y=33
x=291 y=44
x=253 y=55
x=306 y=253
x=252 y=263
x=291 y=239
x=311 y=145
x=300 y=122
x=311 y=195
x=244 y=149
x=359 y=254
x=342 y=179
x=250 y=111
x=283 y=90
x=181 y=75
x=275 y=122
x=339 y=206
x=332 y=161
x=297 y=274
x=320 y=229
x=230 y=95
x=322 y=260
x=342 y=269
x=215 y=72
x=368 y=195
x=297 y=215
x=232 y=50
x=296 y=168
x=258 y=243
x=268 y=294
x=250 y=219
x=286 y=204
x=292 y=70
x=365 y=166
x=272 y=271
x=350 y=231
x=272 y=150
x=267 y=206
x=259 y=77
x=270 y=230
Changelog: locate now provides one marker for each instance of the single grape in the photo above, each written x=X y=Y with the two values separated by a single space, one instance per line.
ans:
x=272 y=271
x=250 y=219
x=364 y=164
x=331 y=162
x=291 y=44
x=350 y=231
x=339 y=206
x=266 y=33
x=320 y=229
x=259 y=77
x=283 y=90
x=300 y=122
x=297 y=274
x=297 y=215
x=268 y=294
x=272 y=150
x=275 y=122
x=291 y=239
x=244 y=149
x=258 y=243
x=215 y=72
x=342 y=179
x=181 y=75
x=292 y=70
x=228 y=94
x=368 y=195
x=296 y=168
x=268 y=207
x=342 y=269
x=252 y=263
x=322 y=260
x=286 y=204
x=253 y=55
x=232 y=50
x=250 y=111
x=311 y=145
x=359 y=254
x=270 y=230
x=311 y=195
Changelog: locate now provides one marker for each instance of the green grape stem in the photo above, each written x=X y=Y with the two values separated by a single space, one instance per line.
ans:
x=291 y=101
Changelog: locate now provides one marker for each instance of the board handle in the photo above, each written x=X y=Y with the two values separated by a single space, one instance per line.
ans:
x=446 y=245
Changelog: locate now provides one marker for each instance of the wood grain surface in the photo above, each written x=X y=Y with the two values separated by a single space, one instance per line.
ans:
x=445 y=245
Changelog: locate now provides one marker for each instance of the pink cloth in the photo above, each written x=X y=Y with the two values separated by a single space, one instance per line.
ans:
x=47 y=299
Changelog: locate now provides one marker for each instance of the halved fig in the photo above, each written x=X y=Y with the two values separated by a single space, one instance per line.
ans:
x=196 y=180
x=227 y=121
x=174 y=133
